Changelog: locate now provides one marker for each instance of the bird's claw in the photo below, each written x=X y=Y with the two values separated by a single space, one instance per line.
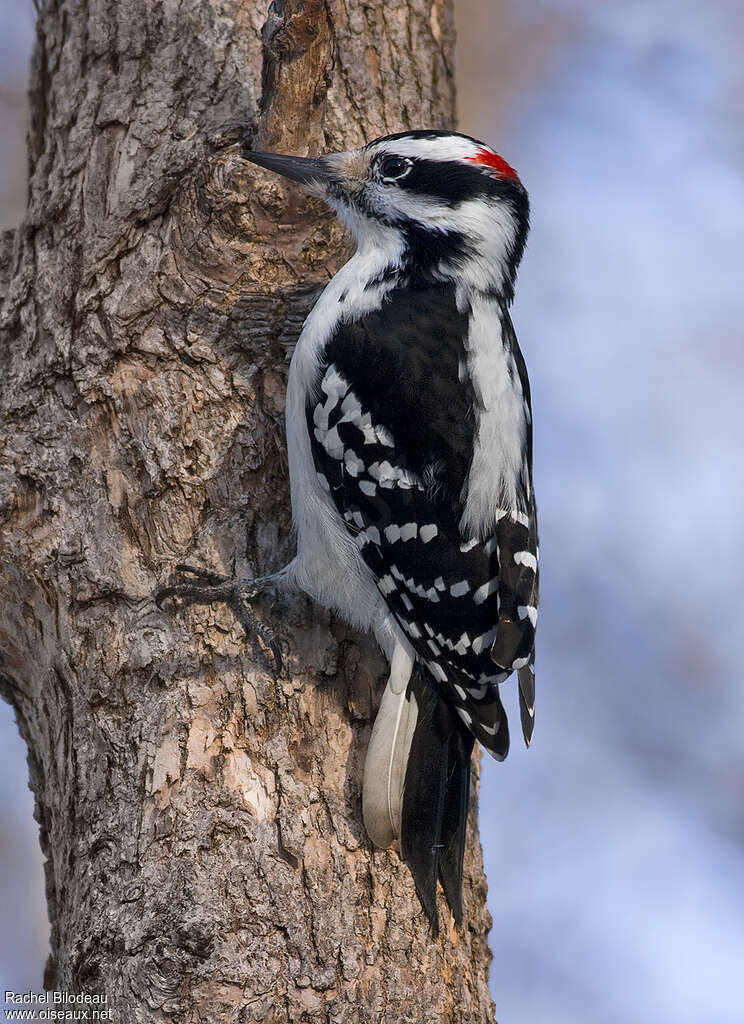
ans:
x=203 y=586
x=200 y=575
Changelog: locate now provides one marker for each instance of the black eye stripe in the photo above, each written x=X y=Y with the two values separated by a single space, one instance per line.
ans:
x=456 y=181
x=452 y=181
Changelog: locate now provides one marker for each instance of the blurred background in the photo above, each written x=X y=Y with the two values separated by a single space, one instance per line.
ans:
x=615 y=846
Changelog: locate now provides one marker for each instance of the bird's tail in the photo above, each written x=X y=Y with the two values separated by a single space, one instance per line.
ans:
x=435 y=799
x=417 y=787
x=387 y=754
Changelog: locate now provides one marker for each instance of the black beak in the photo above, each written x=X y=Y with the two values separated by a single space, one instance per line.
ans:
x=296 y=168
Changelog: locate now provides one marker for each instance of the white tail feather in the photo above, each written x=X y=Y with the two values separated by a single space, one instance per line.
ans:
x=387 y=755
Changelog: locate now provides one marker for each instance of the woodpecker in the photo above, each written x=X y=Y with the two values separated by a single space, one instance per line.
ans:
x=409 y=432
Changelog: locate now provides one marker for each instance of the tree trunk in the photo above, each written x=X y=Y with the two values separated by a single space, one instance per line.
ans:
x=201 y=820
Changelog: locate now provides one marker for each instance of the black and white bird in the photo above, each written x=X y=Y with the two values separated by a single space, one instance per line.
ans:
x=410 y=448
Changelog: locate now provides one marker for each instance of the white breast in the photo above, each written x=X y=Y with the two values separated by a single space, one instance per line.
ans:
x=328 y=566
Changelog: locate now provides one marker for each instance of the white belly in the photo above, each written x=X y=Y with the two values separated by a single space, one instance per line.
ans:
x=328 y=566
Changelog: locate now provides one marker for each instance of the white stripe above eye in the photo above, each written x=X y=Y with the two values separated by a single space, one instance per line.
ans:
x=440 y=148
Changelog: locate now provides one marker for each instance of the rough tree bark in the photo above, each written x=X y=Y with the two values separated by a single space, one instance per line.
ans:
x=201 y=820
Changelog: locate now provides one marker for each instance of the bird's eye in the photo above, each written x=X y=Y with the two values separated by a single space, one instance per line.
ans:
x=393 y=168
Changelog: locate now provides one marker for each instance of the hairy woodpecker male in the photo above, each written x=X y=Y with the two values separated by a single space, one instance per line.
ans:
x=410 y=450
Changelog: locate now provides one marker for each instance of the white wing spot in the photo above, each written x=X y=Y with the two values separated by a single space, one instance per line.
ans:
x=460 y=589
x=388 y=475
x=351 y=409
x=461 y=647
x=353 y=464
x=385 y=437
x=332 y=443
x=320 y=417
x=386 y=584
x=491 y=546
x=528 y=611
x=484 y=592
x=526 y=558
x=486 y=677
x=491 y=729
x=484 y=640
x=333 y=383
x=437 y=671
x=365 y=536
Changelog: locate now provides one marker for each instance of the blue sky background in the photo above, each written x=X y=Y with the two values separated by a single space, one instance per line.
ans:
x=615 y=846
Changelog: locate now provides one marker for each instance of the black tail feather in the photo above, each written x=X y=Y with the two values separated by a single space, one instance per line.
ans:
x=526 y=676
x=435 y=800
x=454 y=820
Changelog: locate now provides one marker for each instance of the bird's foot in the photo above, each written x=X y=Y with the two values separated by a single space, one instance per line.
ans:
x=193 y=585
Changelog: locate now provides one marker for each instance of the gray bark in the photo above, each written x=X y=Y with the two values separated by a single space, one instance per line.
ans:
x=201 y=820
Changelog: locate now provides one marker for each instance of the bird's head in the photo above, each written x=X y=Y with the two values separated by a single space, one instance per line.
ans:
x=443 y=204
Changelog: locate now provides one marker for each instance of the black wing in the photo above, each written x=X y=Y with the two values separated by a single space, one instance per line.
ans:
x=391 y=426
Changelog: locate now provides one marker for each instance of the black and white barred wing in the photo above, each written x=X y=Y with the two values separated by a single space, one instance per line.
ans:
x=466 y=605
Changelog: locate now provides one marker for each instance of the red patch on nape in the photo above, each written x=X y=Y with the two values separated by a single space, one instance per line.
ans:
x=496 y=162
